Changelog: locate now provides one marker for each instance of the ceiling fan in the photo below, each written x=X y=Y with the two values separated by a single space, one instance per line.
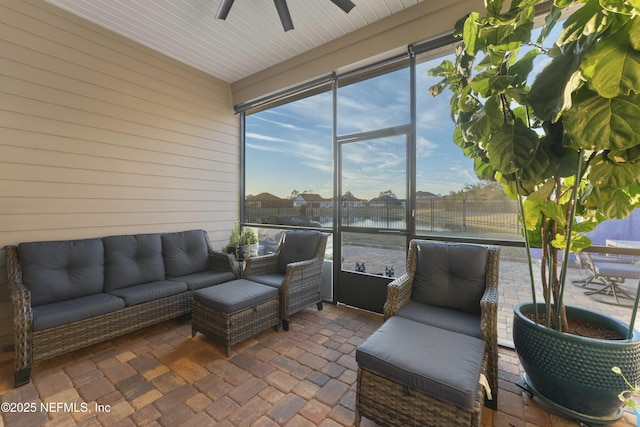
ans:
x=283 y=10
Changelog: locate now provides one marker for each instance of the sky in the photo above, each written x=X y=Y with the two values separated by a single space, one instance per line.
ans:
x=290 y=147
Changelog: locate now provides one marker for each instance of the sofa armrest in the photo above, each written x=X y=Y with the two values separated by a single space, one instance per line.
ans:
x=398 y=295
x=220 y=261
x=265 y=264
x=22 y=315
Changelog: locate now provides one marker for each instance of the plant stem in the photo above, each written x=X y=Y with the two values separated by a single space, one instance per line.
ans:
x=528 y=248
x=562 y=320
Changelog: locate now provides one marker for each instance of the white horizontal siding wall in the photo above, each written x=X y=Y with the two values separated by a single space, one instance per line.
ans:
x=101 y=136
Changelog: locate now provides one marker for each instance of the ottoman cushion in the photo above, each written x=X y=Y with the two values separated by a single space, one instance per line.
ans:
x=234 y=296
x=441 y=363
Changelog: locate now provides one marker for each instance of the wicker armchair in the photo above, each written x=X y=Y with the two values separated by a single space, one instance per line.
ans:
x=294 y=269
x=443 y=268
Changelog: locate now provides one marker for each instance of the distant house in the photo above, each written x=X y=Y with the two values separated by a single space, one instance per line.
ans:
x=312 y=199
x=267 y=200
x=386 y=201
x=426 y=195
x=349 y=199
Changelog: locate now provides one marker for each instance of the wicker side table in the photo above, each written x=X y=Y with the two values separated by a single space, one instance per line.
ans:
x=411 y=374
x=234 y=311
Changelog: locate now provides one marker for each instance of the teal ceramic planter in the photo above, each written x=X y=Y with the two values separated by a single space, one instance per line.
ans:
x=572 y=373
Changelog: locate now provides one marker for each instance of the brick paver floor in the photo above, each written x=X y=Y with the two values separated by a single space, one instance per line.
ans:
x=161 y=376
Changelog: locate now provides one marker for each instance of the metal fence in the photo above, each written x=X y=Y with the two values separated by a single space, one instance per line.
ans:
x=442 y=214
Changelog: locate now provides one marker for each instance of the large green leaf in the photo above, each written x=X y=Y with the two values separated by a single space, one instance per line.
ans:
x=607 y=173
x=470 y=32
x=520 y=69
x=548 y=96
x=512 y=147
x=554 y=211
x=634 y=32
x=597 y=123
x=619 y=205
x=613 y=67
x=482 y=123
x=532 y=210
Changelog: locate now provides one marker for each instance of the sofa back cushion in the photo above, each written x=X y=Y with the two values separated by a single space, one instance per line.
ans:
x=450 y=275
x=298 y=245
x=185 y=252
x=132 y=260
x=61 y=270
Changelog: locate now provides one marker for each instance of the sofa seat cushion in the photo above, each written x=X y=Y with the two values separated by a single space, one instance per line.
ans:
x=441 y=363
x=440 y=317
x=204 y=279
x=151 y=291
x=451 y=275
x=60 y=313
x=271 y=279
x=298 y=245
x=132 y=260
x=185 y=252
x=62 y=270
x=234 y=296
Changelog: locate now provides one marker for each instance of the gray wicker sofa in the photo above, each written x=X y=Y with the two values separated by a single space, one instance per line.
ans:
x=70 y=294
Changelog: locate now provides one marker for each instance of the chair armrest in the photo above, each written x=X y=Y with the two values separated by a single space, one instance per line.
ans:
x=265 y=264
x=22 y=314
x=307 y=269
x=489 y=313
x=220 y=261
x=398 y=295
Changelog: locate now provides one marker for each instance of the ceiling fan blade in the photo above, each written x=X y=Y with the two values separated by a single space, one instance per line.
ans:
x=283 y=12
x=223 y=9
x=345 y=5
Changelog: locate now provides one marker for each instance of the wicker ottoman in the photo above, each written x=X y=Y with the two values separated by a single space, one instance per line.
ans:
x=234 y=311
x=412 y=374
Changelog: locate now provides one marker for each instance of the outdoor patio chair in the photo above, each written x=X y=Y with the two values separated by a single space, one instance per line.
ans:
x=582 y=263
x=294 y=269
x=452 y=286
x=612 y=275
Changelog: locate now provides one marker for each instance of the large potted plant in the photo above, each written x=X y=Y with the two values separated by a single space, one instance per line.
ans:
x=566 y=144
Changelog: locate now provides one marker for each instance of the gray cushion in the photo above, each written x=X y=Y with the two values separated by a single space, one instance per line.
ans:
x=272 y=279
x=62 y=270
x=446 y=318
x=438 y=362
x=146 y=292
x=234 y=296
x=298 y=245
x=132 y=260
x=450 y=275
x=204 y=278
x=185 y=252
x=63 y=312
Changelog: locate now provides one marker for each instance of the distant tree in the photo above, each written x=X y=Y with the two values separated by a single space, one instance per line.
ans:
x=388 y=193
x=294 y=194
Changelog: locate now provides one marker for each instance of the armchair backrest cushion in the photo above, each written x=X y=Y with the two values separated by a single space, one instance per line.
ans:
x=451 y=275
x=297 y=245
x=132 y=260
x=55 y=271
x=185 y=252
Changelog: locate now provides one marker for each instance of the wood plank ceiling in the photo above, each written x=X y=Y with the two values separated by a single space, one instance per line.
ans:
x=249 y=40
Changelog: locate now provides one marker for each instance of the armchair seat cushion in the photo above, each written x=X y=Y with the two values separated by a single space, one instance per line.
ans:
x=272 y=279
x=440 y=317
x=438 y=362
x=151 y=291
x=72 y=310
x=204 y=279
